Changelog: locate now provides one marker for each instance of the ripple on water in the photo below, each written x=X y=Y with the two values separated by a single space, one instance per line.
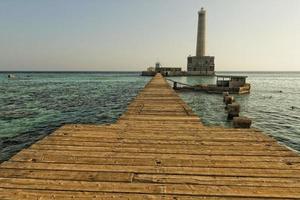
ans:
x=36 y=104
x=272 y=104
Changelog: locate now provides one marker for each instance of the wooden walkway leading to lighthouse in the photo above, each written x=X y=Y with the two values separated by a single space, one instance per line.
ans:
x=158 y=149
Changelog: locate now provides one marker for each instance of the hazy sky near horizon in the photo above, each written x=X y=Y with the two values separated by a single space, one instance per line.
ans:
x=252 y=35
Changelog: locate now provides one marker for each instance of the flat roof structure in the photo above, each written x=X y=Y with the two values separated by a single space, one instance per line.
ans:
x=230 y=76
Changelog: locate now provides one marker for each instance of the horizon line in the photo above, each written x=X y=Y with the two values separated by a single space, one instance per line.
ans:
x=124 y=71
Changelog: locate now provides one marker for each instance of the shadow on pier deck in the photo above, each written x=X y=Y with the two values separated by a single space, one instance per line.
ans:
x=158 y=149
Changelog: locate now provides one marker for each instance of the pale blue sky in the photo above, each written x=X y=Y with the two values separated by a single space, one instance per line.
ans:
x=134 y=34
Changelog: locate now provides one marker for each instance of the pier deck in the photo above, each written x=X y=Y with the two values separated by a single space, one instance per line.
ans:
x=158 y=149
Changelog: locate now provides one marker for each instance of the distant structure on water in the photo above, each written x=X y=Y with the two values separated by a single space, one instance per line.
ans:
x=201 y=64
x=165 y=71
x=11 y=76
x=168 y=71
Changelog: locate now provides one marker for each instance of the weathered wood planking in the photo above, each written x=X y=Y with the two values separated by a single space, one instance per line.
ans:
x=158 y=149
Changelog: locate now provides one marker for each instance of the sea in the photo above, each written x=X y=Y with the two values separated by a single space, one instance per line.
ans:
x=34 y=104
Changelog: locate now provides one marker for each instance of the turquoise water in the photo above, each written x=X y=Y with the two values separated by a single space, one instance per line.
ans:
x=273 y=104
x=35 y=104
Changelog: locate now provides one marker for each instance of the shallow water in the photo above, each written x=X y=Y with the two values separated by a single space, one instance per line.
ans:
x=273 y=104
x=35 y=104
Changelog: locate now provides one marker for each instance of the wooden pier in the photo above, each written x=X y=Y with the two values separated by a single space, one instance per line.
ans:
x=158 y=149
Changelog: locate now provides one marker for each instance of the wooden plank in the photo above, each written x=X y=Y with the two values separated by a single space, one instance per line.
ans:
x=171 y=162
x=147 y=188
x=270 y=158
x=187 y=152
x=270 y=144
x=175 y=132
x=26 y=194
x=200 y=151
x=215 y=146
x=165 y=137
x=67 y=175
x=207 y=171
x=218 y=180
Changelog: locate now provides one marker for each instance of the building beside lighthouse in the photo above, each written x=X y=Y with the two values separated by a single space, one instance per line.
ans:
x=201 y=64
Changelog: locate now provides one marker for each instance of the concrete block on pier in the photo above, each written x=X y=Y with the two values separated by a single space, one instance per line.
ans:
x=233 y=110
x=225 y=94
x=241 y=122
x=228 y=100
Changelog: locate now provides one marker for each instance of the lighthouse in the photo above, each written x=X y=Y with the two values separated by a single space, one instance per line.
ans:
x=200 y=50
x=201 y=64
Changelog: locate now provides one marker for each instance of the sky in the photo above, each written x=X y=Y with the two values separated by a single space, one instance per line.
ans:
x=131 y=35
